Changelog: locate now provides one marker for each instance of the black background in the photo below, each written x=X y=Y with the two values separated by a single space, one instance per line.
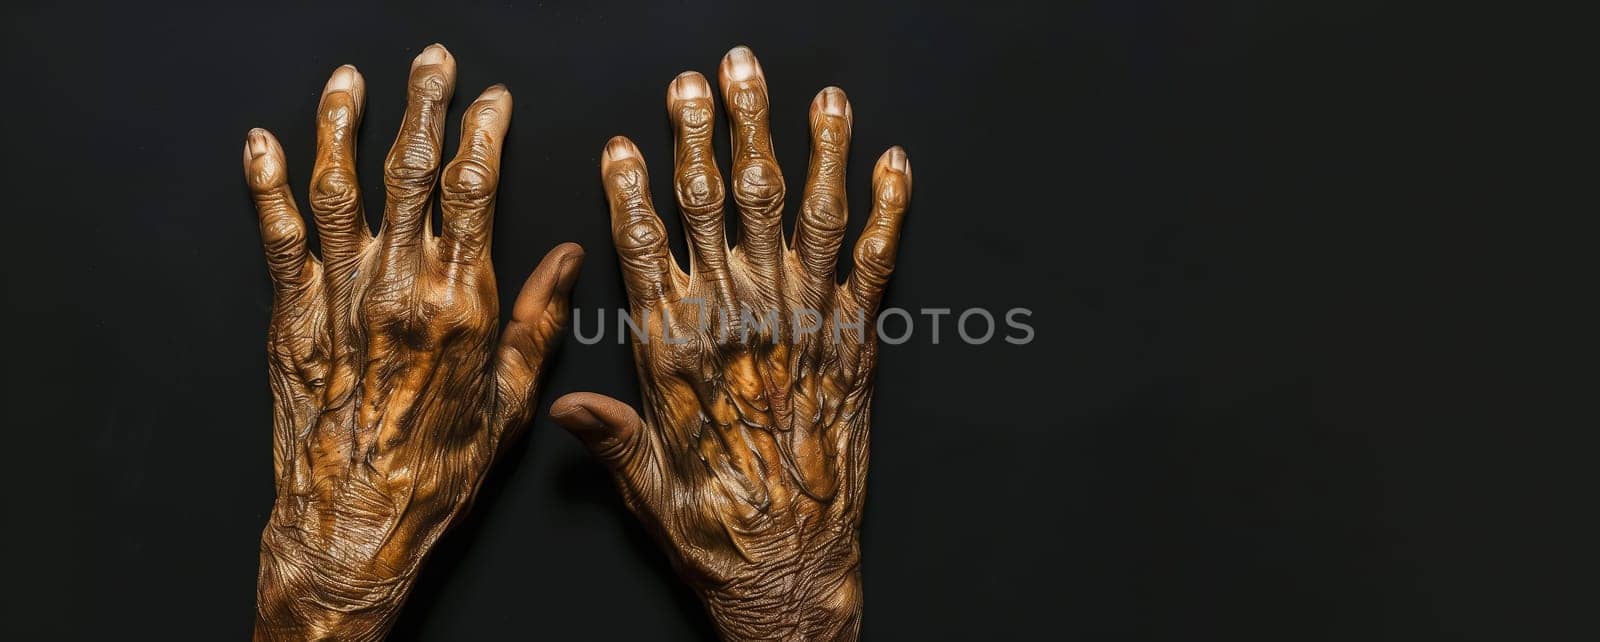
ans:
x=1246 y=414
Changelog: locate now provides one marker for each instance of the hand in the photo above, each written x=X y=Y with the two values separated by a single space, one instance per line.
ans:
x=750 y=461
x=391 y=395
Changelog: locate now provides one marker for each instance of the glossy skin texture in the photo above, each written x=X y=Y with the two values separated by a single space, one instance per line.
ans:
x=392 y=395
x=750 y=460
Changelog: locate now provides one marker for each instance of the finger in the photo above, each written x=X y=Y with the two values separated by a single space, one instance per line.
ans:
x=757 y=183
x=819 y=229
x=412 y=166
x=648 y=268
x=698 y=183
x=283 y=232
x=875 y=251
x=612 y=431
x=335 y=191
x=341 y=222
x=537 y=320
x=467 y=194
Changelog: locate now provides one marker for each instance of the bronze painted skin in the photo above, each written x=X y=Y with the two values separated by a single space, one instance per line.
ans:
x=750 y=460
x=392 y=395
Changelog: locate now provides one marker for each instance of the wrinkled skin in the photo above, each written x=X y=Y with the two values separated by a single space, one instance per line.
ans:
x=750 y=460
x=392 y=395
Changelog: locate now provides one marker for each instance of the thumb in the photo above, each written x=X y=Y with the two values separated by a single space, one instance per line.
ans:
x=610 y=429
x=537 y=320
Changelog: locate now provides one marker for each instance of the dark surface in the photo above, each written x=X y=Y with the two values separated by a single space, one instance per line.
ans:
x=1241 y=417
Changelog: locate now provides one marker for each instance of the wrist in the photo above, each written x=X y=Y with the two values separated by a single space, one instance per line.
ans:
x=816 y=599
x=304 y=594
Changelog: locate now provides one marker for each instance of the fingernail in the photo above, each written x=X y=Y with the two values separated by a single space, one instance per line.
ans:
x=833 y=102
x=344 y=79
x=433 y=55
x=897 y=160
x=689 y=85
x=740 y=64
x=620 y=148
x=258 y=142
x=494 y=92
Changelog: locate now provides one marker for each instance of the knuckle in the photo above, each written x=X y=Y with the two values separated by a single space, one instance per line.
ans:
x=699 y=190
x=832 y=133
x=759 y=184
x=875 y=254
x=680 y=356
x=459 y=315
x=748 y=99
x=470 y=182
x=413 y=162
x=266 y=174
x=823 y=210
x=406 y=171
x=335 y=190
x=338 y=112
x=891 y=194
x=626 y=182
x=282 y=234
x=382 y=312
x=695 y=116
x=486 y=113
x=640 y=233
x=430 y=84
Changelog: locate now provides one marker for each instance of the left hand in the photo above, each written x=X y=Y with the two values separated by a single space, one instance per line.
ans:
x=391 y=394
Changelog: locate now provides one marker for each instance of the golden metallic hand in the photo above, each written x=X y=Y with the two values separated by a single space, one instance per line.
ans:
x=391 y=394
x=750 y=461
